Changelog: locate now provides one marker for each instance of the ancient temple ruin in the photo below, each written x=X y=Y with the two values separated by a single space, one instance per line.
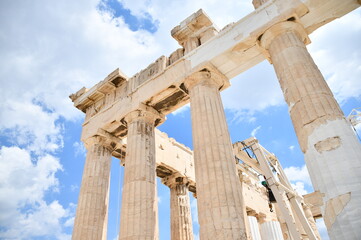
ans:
x=122 y=114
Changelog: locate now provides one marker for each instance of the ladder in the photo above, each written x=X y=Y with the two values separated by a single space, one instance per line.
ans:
x=268 y=165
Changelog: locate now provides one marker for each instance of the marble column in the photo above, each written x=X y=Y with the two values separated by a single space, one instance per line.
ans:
x=91 y=214
x=180 y=208
x=139 y=203
x=332 y=150
x=219 y=194
x=156 y=235
x=105 y=226
x=254 y=228
x=271 y=230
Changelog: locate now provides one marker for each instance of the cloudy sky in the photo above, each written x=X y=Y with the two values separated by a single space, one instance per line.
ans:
x=50 y=49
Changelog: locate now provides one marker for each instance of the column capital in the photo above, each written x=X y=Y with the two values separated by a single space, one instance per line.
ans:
x=105 y=139
x=175 y=179
x=207 y=76
x=147 y=113
x=94 y=140
x=279 y=28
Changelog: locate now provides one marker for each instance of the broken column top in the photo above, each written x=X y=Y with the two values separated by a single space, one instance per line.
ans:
x=112 y=81
x=258 y=3
x=192 y=26
x=190 y=33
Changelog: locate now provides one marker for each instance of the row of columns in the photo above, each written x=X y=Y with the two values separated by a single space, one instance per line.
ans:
x=331 y=150
x=218 y=187
x=265 y=230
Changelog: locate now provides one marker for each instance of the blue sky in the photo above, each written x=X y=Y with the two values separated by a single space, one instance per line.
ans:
x=52 y=49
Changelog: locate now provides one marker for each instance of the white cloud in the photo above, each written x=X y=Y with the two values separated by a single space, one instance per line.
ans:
x=221 y=14
x=291 y=148
x=43 y=220
x=24 y=183
x=68 y=45
x=69 y=222
x=32 y=126
x=181 y=110
x=252 y=91
x=246 y=95
x=51 y=49
x=299 y=187
x=79 y=149
x=296 y=174
x=338 y=56
x=299 y=178
x=254 y=131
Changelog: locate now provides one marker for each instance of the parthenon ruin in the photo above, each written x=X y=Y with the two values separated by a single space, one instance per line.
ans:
x=122 y=115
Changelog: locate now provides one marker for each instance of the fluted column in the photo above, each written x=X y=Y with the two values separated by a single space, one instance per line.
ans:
x=219 y=194
x=254 y=228
x=271 y=230
x=105 y=225
x=331 y=148
x=180 y=208
x=156 y=235
x=91 y=214
x=139 y=203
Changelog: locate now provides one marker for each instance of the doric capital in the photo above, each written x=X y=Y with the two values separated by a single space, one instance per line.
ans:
x=207 y=77
x=289 y=26
x=105 y=139
x=94 y=140
x=175 y=179
x=280 y=28
x=191 y=26
x=147 y=113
